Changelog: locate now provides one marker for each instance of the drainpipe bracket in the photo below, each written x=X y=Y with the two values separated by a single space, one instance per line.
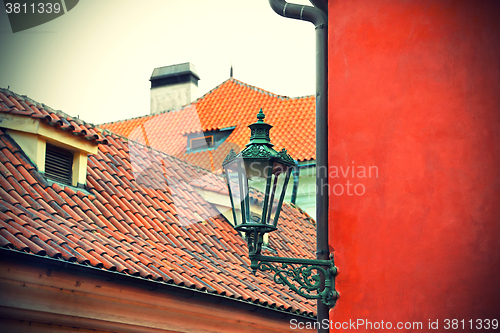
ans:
x=322 y=252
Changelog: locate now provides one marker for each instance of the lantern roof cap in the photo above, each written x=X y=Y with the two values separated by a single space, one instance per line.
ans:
x=260 y=146
x=260 y=131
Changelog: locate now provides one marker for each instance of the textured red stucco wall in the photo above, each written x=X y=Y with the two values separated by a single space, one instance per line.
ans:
x=414 y=90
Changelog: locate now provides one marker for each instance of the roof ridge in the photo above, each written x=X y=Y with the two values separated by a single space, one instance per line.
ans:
x=260 y=90
x=45 y=106
x=231 y=79
x=211 y=90
x=263 y=91
x=307 y=216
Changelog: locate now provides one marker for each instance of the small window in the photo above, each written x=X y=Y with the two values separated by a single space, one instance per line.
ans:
x=58 y=164
x=203 y=142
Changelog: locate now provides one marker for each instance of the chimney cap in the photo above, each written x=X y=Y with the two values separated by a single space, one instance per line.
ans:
x=174 y=70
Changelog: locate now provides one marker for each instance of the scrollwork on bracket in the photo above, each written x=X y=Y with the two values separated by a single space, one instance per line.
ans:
x=304 y=279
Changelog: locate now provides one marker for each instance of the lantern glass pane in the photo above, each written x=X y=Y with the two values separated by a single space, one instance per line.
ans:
x=234 y=181
x=277 y=187
x=257 y=173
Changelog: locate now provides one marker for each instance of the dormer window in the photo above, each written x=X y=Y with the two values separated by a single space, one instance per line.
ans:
x=58 y=155
x=207 y=140
x=202 y=142
x=59 y=164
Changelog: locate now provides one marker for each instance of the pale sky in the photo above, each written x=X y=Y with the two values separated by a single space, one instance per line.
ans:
x=95 y=61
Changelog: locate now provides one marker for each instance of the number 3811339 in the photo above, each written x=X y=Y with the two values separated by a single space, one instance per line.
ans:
x=455 y=324
x=39 y=8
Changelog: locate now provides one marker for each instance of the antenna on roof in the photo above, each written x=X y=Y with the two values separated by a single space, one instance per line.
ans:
x=231 y=71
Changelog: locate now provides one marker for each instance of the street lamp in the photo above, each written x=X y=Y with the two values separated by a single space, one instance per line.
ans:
x=257 y=178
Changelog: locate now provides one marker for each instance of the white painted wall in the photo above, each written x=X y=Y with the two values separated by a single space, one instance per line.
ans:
x=306 y=195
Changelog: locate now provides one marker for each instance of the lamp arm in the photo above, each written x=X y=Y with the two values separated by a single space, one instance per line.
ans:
x=301 y=275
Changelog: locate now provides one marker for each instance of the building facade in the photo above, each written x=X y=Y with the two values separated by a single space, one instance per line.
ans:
x=413 y=90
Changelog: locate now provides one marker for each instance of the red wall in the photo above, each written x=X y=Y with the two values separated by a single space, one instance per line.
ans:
x=414 y=89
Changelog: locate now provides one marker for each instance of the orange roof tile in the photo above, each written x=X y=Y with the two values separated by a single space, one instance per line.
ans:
x=140 y=215
x=231 y=104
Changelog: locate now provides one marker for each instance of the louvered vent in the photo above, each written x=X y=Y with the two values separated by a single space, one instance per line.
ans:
x=58 y=164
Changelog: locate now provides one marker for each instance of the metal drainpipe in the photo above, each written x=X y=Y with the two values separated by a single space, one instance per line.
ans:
x=319 y=17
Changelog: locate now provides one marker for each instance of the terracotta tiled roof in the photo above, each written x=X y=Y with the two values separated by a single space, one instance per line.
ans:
x=141 y=215
x=232 y=103
x=22 y=105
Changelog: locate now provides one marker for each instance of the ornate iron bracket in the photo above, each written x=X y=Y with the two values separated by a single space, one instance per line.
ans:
x=301 y=275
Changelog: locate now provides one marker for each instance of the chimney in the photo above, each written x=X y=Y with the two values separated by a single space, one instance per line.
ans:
x=173 y=86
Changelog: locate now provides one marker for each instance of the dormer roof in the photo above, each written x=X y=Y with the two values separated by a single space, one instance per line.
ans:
x=14 y=104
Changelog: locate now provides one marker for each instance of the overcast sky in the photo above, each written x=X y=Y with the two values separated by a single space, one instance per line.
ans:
x=95 y=61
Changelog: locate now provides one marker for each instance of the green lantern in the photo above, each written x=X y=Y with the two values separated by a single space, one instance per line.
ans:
x=257 y=179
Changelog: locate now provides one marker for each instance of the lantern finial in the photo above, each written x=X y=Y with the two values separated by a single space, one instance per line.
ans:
x=261 y=116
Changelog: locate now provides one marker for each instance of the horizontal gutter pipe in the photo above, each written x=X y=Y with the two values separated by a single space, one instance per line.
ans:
x=301 y=166
x=319 y=18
